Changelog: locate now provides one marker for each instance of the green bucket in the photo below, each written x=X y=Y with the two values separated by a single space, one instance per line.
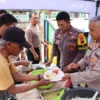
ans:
x=41 y=71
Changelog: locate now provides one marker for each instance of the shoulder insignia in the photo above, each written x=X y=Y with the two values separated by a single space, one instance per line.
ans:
x=81 y=39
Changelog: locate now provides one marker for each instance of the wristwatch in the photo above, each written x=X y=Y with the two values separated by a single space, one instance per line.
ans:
x=39 y=77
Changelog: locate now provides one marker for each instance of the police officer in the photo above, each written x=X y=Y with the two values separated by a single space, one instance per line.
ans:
x=91 y=60
x=70 y=41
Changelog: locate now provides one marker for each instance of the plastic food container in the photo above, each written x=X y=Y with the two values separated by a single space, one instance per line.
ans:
x=79 y=92
x=54 y=94
x=41 y=71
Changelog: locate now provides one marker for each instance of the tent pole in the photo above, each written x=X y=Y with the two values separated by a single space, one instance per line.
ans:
x=97 y=6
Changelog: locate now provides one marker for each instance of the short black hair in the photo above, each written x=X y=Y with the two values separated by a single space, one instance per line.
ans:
x=7 y=19
x=3 y=11
x=30 y=14
x=63 y=16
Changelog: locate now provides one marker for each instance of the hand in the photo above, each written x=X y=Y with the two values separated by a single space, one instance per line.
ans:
x=36 y=56
x=25 y=63
x=46 y=45
x=48 y=63
x=42 y=76
x=65 y=77
x=43 y=82
x=71 y=67
x=23 y=56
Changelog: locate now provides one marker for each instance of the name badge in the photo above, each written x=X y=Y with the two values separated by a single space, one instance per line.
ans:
x=97 y=55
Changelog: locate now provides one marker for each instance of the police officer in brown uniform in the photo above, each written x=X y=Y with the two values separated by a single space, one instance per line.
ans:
x=91 y=60
x=70 y=41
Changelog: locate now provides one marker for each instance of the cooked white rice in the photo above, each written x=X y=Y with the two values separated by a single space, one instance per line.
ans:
x=78 y=98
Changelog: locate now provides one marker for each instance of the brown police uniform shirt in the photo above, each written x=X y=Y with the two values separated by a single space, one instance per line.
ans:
x=56 y=42
x=91 y=60
x=72 y=46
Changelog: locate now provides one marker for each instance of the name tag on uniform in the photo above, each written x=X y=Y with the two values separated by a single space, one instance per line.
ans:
x=97 y=55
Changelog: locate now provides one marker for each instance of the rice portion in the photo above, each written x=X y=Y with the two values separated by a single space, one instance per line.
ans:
x=78 y=98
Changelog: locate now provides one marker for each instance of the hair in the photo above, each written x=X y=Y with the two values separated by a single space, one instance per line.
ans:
x=7 y=19
x=63 y=16
x=3 y=11
x=3 y=42
x=30 y=14
x=96 y=20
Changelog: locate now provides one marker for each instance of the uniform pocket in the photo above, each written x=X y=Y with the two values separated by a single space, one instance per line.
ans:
x=71 y=46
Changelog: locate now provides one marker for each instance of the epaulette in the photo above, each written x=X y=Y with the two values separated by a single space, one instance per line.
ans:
x=57 y=31
x=81 y=39
x=91 y=41
x=76 y=30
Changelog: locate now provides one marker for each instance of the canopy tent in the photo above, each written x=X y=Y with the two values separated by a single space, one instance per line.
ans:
x=65 y=5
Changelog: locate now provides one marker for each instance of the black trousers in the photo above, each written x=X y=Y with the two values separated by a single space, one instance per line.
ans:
x=58 y=59
x=31 y=57
x=4 y=96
